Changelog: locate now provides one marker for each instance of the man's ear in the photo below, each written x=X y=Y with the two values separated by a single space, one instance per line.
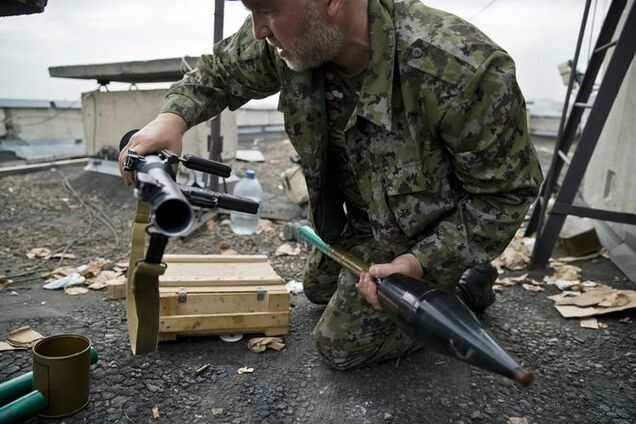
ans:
x=334 y=7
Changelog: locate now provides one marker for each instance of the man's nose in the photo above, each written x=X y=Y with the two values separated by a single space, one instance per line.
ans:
x=260 y=28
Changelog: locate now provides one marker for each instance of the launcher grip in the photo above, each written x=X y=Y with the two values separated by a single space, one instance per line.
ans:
x=206 y=165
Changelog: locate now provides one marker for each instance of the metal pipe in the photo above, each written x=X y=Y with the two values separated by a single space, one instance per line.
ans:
x=23 y=408
x=215 y=141
x=13 y=389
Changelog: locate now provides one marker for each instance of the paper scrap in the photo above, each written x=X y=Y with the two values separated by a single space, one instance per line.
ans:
x=512 y=281
x=228 y=251
x=591 y=298
x=5 y=347
x=614 y=299
x=265 y=225
x=562 y=271
x=259 y=344
x=75 y=290
x=245 y=370
x=62 y=271
x=217 y=411
x=532 y=288
x=517 y=420
x=250 y=155
x=294 y=287
x=24 y=337
x=155 y=412
x=589 y=323
x=39 y=252
x=93 y=268
x=287 y=249
x=101 y=280
x=4 y=283
x=570 y=285
x=589 y=304
x=517 y=255
x=63 y=256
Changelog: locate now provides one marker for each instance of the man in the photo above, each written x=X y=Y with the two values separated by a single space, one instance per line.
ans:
x=413 y=138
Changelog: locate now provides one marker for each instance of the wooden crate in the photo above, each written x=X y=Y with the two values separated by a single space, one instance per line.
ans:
x=221 y=294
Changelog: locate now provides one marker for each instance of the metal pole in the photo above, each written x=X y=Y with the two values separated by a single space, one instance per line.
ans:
x=536 y=221
x=612 y=82
x=215 y=141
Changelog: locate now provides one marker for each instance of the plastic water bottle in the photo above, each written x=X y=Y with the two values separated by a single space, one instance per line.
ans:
x=249 y=187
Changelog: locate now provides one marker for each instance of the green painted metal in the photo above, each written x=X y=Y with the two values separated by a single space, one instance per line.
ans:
x=14 y=388
x=308 y=234
x=23 y=408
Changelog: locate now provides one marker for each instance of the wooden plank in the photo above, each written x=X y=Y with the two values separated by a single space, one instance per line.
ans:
x=271 y=289
x=276 y=331
x=167 y=304
x=214 y=258
x=234 y=271
x=211 y=282
x=224 y=323
x=270 y=332
x=167 y=337
x=223 y=303
x=116 y=290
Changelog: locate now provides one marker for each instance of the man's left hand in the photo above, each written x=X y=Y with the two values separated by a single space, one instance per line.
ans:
x=405 y=264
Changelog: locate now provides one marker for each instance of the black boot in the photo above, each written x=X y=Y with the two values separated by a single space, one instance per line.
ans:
x=475 y=287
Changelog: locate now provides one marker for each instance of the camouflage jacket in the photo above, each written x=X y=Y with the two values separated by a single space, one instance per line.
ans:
x=439 y=133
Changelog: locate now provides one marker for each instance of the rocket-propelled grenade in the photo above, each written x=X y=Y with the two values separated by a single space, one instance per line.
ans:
x=432 y=317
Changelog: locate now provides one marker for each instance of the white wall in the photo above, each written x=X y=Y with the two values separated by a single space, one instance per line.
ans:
x=109 y=115
x=609 y=182
x=40 y=123
x=258 y=117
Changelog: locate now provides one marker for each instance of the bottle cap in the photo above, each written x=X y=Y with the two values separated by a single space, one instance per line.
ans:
x=250 y=173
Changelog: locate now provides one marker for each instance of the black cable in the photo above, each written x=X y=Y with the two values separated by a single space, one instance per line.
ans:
x=102 y=216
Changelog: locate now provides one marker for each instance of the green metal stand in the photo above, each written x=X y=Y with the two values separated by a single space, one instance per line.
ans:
x=23 y=408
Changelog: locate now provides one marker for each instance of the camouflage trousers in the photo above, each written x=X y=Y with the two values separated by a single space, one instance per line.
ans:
x=350 y=333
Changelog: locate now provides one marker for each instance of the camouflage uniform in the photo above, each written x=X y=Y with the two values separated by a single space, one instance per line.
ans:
x=438 y=136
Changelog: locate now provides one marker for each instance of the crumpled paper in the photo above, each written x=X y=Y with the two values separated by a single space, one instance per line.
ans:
x=23 y=338
x=260 y=344
x=601 y=300
x=287 y=249
x=517 y=255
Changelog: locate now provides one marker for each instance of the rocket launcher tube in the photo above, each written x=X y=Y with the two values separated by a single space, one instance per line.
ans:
x=432 y=317
x=343 y=257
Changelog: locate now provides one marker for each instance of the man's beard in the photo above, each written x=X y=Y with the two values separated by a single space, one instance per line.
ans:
x=319 y=42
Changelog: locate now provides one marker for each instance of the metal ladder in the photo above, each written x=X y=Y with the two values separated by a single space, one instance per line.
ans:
x=547 y=222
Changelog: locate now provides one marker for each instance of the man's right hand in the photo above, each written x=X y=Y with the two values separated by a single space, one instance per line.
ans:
x=164 y=132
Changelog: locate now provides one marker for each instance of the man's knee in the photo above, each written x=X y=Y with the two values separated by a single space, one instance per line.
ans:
x=346 y=347
x=340 y=353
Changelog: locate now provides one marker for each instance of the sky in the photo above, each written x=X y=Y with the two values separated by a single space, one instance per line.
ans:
x=539 y=35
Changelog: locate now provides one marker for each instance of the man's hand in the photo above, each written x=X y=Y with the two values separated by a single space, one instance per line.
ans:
x=405 y=264
x=164 y=132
